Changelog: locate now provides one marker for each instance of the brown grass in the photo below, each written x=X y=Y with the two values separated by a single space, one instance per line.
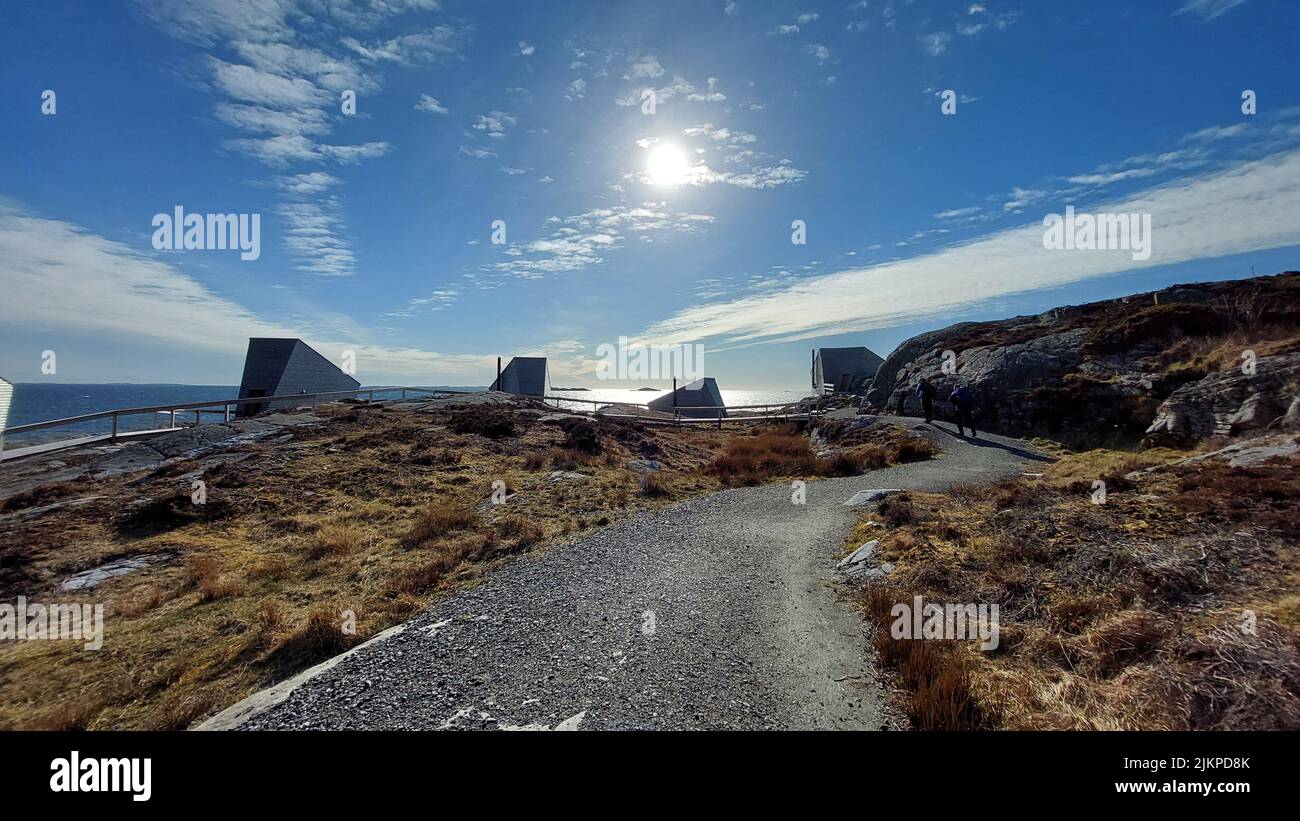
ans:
x=783 y=453
x=437 y=520
x=338 y=518
x=1124 y=615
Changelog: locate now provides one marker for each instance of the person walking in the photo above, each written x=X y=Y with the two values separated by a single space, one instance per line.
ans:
x=926 y=390
x=963 y=399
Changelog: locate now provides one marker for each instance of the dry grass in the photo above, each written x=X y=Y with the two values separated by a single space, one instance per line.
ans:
x=1123 y=615
x=374 y=513
x=785 y=453
x=439 y=519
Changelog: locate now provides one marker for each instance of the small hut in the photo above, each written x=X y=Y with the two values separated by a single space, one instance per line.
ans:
x=843 y=370
x=277 y=366
x=524 y=376
x=699 y=398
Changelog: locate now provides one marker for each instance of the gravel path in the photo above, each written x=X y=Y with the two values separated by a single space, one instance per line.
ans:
x=718 y=613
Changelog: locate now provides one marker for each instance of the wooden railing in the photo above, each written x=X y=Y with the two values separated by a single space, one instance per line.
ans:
x=218 y=406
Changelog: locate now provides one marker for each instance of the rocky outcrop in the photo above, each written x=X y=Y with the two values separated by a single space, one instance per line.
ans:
x=1112 y=372
x=1230 y=403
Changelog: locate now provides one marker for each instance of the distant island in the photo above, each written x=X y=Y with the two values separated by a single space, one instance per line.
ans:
x=656 y=390
x=570 y=389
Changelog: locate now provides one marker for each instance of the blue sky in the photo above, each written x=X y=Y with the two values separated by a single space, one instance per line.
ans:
x=376 y=227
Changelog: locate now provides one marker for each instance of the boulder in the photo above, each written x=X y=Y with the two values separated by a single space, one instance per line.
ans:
x=1230 y=403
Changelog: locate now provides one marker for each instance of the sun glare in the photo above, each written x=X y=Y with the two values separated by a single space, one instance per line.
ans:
x=666 y=165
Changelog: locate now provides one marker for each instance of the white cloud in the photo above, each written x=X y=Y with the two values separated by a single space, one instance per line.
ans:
x=710 y=96
x=935 y=43
x=583 y=240
x=311 y=183
x=577 y=90
x=64 y=278
x=495 y=123
x=313 y=236
x=958 y=213
x=430 y=105
x=1112 y=177
x=1245 y=208
x=526 y=49
x=475 y=152
x=263 y=88
x=1023 y=198
x=437 y=43
x=646 y=65
x=1208 y=9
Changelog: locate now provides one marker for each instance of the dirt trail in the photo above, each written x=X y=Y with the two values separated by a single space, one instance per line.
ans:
x=718 y=613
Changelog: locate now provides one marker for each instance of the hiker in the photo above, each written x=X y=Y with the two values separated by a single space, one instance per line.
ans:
x=963 y=399
x=926 y=391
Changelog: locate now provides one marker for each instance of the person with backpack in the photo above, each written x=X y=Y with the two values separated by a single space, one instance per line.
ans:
x=963 y=399
x=926 y=390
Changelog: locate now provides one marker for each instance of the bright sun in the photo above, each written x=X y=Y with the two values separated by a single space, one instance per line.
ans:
x=666 y=165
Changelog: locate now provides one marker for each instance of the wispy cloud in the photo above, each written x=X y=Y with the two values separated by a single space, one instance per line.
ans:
x=1244 y=208
x=430 y=105
x=284 y=68
x=1208 y=9
x=67 y=279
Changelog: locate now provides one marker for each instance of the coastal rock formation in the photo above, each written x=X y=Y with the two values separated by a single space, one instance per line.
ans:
x=1230 y=403
x=1159 y=367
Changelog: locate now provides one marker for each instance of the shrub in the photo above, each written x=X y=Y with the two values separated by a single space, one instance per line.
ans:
x=522 y=533
x=335 y=540
x=651 y=487
x=581 y=435
x=484 y=420
x=436 y=520
x=769 y=453
x=317 y=639
x=205 y=575
x=897 y=510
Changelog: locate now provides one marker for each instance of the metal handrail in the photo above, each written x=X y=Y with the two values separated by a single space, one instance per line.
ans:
x=221 y=403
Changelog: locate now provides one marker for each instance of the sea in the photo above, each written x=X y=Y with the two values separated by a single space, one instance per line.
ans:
x=42 y=401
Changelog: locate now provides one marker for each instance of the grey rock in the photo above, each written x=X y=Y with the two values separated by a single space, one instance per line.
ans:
x=864 y=497
x=644 y=465
x=567 y=476
x=860 y=555
x=87 y=579
x=1230 y=403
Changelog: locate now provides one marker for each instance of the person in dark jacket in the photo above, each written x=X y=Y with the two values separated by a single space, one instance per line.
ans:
x=926 y=390
x=963 y=399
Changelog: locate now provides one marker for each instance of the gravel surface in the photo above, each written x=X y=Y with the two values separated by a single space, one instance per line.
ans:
x=719 y=613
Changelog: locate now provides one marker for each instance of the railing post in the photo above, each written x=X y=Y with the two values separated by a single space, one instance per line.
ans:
x=173 y=412
x=198 y=417
x=113 y=437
